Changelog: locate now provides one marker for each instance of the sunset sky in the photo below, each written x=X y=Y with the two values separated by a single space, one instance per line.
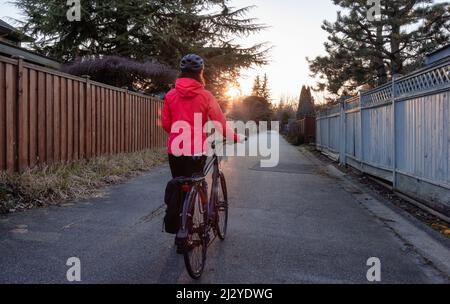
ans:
x=295 y=33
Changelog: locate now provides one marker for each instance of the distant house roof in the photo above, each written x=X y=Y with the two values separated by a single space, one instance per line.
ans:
x=12 y=33
x=9 y=47
x=438 y=55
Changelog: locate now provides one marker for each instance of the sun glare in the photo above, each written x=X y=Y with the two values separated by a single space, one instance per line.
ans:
x=233 y=92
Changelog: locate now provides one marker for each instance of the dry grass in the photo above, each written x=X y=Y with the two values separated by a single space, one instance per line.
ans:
x=79 y=180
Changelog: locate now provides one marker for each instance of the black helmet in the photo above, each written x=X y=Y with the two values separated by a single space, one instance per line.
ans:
x=192 y=62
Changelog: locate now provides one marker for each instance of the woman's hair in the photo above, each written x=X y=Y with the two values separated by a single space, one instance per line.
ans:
x=193 y=75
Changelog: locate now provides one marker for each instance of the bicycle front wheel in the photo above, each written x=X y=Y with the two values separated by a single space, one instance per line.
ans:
x=195 y=251
x=222 y=207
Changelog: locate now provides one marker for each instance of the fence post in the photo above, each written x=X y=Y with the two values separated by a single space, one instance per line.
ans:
x=20 y=163
x=87 y=141
x=124 y=120
x=328 y=131
x=394 y=140
x=342 y=146
x=361 y=129
x=127 y=121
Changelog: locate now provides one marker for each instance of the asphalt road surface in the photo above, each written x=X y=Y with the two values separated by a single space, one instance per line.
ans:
x=291 y=224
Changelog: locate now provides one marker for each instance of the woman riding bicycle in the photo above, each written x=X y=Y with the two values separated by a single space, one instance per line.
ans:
x=187 y=109
x=187 y=102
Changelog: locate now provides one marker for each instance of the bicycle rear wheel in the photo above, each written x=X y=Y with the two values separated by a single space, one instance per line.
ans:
x=195 y=251
x=222 y=207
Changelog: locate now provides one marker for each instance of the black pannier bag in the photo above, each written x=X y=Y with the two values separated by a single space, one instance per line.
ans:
x=174 y=200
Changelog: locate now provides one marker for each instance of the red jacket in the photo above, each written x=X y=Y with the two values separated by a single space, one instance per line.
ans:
x=188 y=98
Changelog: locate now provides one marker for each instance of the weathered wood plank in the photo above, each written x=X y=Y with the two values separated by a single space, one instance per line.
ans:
x=56 y=119
x=23 y=161
x=104 y=108
x=42 y=120
x=93 y=124
x=10 y=91
x=63 y=109
x=89 y=121
x=70 y=117
x=2 y=117
x=33 y=119
x=76 y=125
x=82 y=121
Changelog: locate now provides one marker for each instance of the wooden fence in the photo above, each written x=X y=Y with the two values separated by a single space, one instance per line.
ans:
x=50 y=117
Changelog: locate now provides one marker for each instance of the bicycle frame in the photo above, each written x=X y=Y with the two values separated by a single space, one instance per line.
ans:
x=200 y=181
x=208 y=212
x=213 y=164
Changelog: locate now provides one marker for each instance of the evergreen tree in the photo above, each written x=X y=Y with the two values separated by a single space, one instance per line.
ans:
x=256 y=90
x=361 y=51
x=265 y=91
x=285 y=110
x=305 y=103
x=256 y=109
x=148 y=30
x=261 y=88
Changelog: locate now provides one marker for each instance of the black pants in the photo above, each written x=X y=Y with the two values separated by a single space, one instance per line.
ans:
x=186 y=166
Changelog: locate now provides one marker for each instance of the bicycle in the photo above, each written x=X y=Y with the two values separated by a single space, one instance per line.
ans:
x=202 y=220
